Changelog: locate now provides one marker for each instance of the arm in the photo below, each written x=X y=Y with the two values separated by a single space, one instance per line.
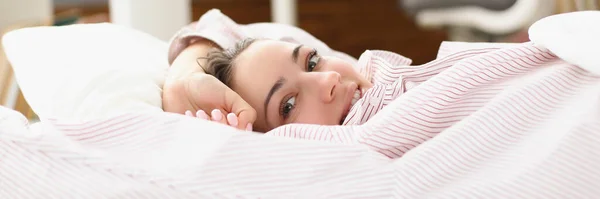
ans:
x=189 y=88
x=186 y=66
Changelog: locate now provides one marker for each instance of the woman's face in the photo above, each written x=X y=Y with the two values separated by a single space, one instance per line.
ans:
x=289 y=83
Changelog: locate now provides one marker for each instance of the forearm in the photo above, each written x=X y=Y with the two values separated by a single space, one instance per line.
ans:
x=178 y=95
x=184 y=67
x=190 y=60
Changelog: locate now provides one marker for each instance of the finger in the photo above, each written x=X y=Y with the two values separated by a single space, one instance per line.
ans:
x=249 y=127
x=217 y=116
x=232 y=120
x=246 y=118
x=202 y=115
x=188 y=113
x=245 y=113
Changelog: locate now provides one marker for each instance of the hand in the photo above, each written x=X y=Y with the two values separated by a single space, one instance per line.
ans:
x=217 y=116
x=187 y=87
x=201 y=93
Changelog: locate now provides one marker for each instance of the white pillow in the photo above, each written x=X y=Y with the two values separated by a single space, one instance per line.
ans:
x=87 y=71
x=574 y=37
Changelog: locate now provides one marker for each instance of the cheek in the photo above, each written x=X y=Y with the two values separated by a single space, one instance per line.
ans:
x=317 y=113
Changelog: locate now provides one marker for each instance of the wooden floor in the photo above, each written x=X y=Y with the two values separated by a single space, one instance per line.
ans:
x=351 y=26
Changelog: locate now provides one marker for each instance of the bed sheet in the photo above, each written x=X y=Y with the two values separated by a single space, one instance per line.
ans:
x=538 y=146
x=531 y=132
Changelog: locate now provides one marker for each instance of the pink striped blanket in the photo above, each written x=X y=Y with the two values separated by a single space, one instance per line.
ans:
x=500 y=123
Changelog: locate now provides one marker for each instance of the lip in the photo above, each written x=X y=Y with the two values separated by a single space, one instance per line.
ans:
x=352 y=87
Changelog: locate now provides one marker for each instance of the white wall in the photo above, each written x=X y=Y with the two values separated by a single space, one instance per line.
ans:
x=16 y=11
x=160 y=18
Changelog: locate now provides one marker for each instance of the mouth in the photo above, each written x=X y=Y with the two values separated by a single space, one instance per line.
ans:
x=356 y=95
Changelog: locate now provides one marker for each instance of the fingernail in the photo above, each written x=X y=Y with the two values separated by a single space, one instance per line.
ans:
x=232 y=119
x=249 y=127
x=188 y=113
x=202 y=115
x=216 y=115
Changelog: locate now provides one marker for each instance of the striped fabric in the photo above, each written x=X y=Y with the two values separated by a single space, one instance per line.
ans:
x=510 y=122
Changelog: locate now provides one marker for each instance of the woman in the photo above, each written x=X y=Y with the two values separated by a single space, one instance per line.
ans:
x=289 y=83
x=292 y=83
x=188 y=89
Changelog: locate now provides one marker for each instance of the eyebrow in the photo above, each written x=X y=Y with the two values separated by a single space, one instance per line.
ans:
x=296 y=52
x=278 y=84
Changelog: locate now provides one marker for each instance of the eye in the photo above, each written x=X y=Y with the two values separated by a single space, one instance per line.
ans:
x=286 y=107
x=312 y=61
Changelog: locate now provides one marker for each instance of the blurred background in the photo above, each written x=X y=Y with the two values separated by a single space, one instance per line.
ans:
x=412 y=28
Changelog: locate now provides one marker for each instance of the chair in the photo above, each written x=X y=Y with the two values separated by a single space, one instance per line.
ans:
x=478 y=20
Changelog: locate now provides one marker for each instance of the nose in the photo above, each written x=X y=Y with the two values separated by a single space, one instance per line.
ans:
x=327 y=81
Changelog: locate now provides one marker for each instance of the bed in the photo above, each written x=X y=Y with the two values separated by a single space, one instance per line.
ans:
x=103 y=133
